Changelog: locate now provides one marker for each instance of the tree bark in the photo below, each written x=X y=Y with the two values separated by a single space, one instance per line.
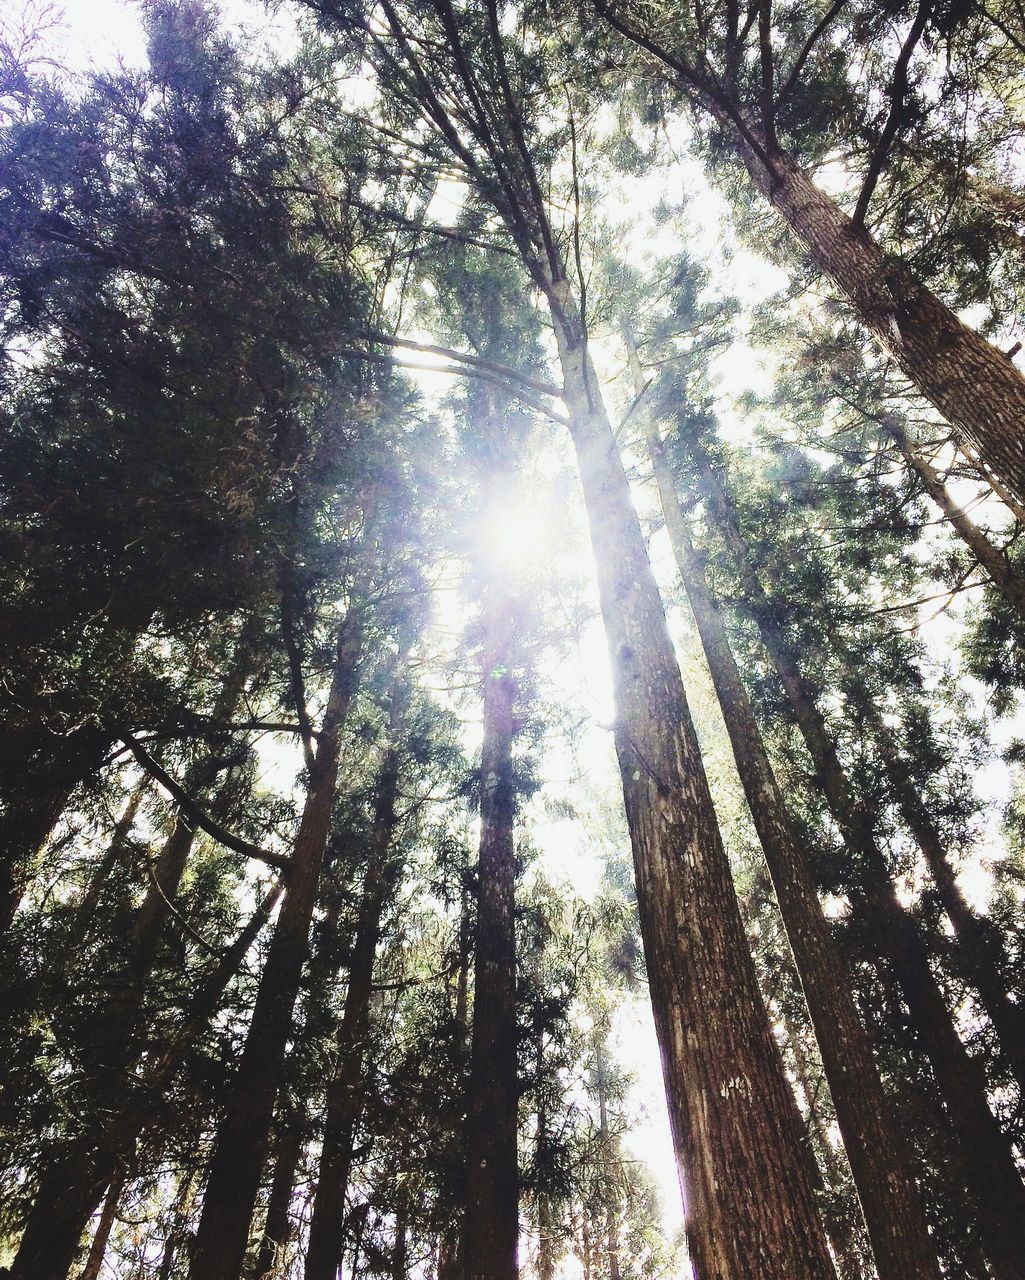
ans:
x=996 y=1185
x=1008 y=580
x=450 y=1239
x=750 y=1203
x=878 y=1156
x=345 y=1096
x=844 y=1223
x=491 y=1218
x=241 y=1146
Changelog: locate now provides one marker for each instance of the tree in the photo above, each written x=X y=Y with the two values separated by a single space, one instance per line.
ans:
x=684 y=888
x=749 y=77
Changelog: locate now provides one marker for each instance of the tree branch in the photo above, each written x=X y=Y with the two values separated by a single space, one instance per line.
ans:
x=898 y=90
x=809 y=45
x=191 y=811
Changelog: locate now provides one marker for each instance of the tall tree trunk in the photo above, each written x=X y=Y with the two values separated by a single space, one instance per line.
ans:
x=98 y=1247
x=751 y=1208
x=975 y=387
x=277 y=1226
x=1008 y=580
x=878 y=1156
x=241 y=1146
x=546 y=1261
x=843 y=1220
x=178 y=1230
x=995 y=1182
x=345 y=1096
x=491 y=1218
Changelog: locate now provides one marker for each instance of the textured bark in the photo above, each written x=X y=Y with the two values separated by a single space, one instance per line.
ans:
x=491 y=1218
x=345 y=1097
x=277 y=1225
x=751 y=1209
x=995 y=1184
x=1008 y=580
x=878 y=1156
x=843 y=1224
x=974 y=386
x=241 y=1146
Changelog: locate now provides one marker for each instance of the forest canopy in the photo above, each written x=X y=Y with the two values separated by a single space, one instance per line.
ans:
x=512 y=640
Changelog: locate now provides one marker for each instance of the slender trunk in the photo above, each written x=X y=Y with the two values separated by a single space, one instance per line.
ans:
x=400 y=1249
x=178 y=1231
x=104 y=869
x=345 y=1095
x=277 y=1226
x=609 y=1158
x=585 y=1244
x=546 y=1255
x=750 y=1203
x=1008 y=580
x=546 y=1267
x=879 y=1160
x=358 y=1224
x=36 y=797
x=71 y=1188
x=450 y=1257
x=241 y=1146
x=995 y=1182
x=975 y=386
x=981 y=951
x=491 y=1218
x=842 y=1217
x=98 y=1248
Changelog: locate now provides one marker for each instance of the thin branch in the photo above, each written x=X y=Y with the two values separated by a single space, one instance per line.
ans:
x=459 y=371
x=898 y=90
x=809 y=45
x=712 y=95
x=766 y=106
x=193 y=813
x=478 y=362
